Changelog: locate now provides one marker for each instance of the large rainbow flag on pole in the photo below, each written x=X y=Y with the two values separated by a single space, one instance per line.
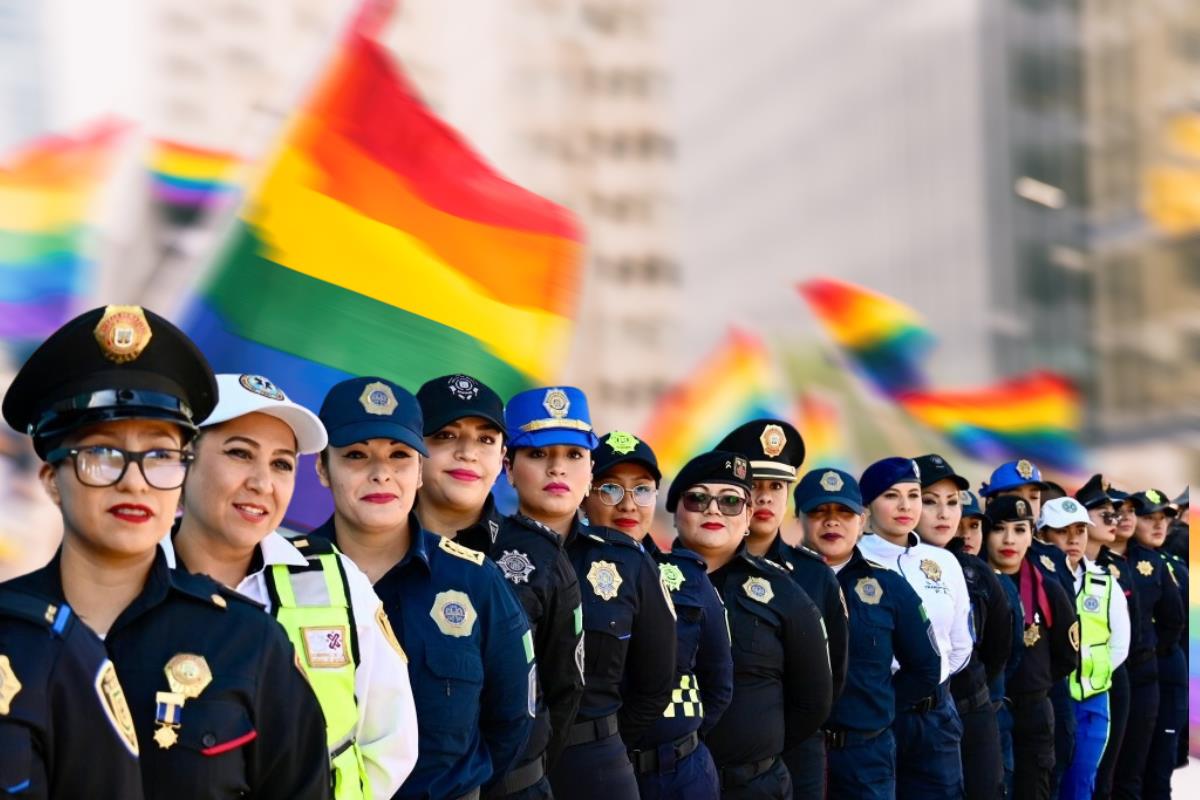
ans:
x=380 y=244
x=46 y=195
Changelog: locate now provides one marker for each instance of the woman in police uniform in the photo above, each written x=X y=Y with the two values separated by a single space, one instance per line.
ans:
x=669 y=758
x=219 y=708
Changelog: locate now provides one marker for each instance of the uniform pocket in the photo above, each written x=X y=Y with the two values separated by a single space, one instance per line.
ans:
x=753 y=634
x=213 y=735
x=215 y=727
x=16 y=760
x=607 y=629
x=458 y=682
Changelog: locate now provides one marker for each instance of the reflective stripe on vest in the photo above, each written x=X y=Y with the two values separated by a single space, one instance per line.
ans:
x=313 y=605
x=1094 y=675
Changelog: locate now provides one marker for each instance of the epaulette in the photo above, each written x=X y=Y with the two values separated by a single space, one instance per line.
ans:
x=313 y=546
x=58 y=617
x=873 y=564
x=774 y=564
x=610 y=536
x=210 y=592
x=530 y=524
x=808 y=551
x=455 y=549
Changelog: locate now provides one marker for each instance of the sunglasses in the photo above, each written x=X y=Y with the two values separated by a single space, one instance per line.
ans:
x=728 y=504
x=1113 y=517
x=612 y=494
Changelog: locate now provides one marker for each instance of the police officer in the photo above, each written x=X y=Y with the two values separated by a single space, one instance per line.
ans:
x=928 y=728
x=887 y=624
x=782 y=685
x=1154 y=512
x=776 y=451
x=629 y=646
x=465 y=435
x=1093 y=496
x=236 y=493
x=1050 y=639
x=942 y=504
x=971 y=526
x=669 y=758
x=1103 y=641
x=214 y=695
x=470 y=656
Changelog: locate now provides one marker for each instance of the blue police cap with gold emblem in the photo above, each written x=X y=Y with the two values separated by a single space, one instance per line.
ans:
x=827 y=485
x=549 y=416
x=111 y=363
x=1012 y=474
x=359 y=409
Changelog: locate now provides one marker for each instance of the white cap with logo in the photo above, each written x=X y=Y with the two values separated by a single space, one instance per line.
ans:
x=239 y=395
x=1062 y=512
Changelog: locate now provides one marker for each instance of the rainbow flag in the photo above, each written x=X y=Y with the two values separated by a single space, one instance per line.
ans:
x=735 y=383
x=47 y=191
x=818 y=419
x=1035 y=416
x=885 y=340
x=188 y=181
x=380 y=244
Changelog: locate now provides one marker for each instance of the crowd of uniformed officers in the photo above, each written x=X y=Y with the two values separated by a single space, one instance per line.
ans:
x=419 y=644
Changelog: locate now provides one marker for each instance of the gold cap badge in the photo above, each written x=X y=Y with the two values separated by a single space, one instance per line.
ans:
x=122 y=333
x=772 y=440
x=1025 y=469
x=377 y=398
x=556 y=403
x=622 y=443
x=832 y=482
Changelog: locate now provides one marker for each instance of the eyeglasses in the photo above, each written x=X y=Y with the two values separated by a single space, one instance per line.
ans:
x=728 y=504
x=612 y=494
x=1113 y=517
x=105 y=466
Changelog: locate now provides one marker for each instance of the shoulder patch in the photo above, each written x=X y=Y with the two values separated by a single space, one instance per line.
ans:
x=10 y=686
x=758 y=589
x=389 y=635
x=112 y=700
x=465 y=553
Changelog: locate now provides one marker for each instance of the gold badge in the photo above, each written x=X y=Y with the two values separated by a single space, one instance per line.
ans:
x=168 y=715
x=931 y=569
x=869 y=591
x=1114 y=571
x=1022 y=509
x=188 y=674
x=758 y=589
x=112 y=700
x=1046 y=562
x=385 y=625
x=9 y=685
x=1025 y=469
x=460 y=551
x=605 y=579
x=672 y=576
x=832 y=482
x=1145 y=567
x=1032 y=635
x=166 y=737
x=622 y=443
x=556 y=403
x=1153 y=496
x=326 y=647
x=122 y=333
x=377 y=398
x=453 y=613
x=1073 y=635
x=772 y=440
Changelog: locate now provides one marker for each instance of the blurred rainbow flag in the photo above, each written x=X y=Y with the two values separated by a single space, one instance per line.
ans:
x=47 y=191
x=886 y=341
x=1035 y=416
x=189 y=181
x=818 y=419
x=734 y=383
x=380 y=244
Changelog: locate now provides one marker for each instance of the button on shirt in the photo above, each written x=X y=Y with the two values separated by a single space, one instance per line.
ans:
x=1118 y=611
x=387 y=718
x=938 y=580
x=470 y=662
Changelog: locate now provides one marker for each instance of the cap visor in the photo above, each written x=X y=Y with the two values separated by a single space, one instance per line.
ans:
x=305 y=425
x=820 y=500
x=553 y=436
x=631 y=459
x=362 y=431
x=433 y=424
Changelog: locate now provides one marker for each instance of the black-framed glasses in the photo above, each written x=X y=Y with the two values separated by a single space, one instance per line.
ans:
x=101 y=466
x=612 y=494
x=728 y=504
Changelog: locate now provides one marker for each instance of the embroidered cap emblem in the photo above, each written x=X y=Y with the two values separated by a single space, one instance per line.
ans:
x=377 y=398
x=773 y=440
x=556 y=403
x=1025 y=469
x=622 y=443
x=832 y=482
x=464 y=387
x=262 y=386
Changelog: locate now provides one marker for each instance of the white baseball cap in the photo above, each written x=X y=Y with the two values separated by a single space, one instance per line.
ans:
x=1061 y=512
x=239 y=395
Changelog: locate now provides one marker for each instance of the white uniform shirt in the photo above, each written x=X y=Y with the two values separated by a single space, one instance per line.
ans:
x=387 y=716
x=938 y=579
x=1118 y=612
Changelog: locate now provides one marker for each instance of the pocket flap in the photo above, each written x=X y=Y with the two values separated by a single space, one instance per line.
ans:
x=16 y=763
x=463 y=665
x=611 y=619
x=214 y=727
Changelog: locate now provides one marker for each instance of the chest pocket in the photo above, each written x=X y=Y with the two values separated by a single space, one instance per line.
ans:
x=688 y=622
x=608 y=627
x=210 y=753
x=17 y=763
x=871 y=630
x=452 y=691
x=755 y=632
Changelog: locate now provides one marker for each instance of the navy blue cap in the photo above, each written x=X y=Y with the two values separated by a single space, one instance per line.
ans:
x=774 y=447
x=934 y=468
x=1009 y=508
x=1012 y=474
x=1117 y=496
x=619 y=447
x=1094 y=493
x=886 y=473
x=359 y=409
x=827 y=485
x=970 y=505
x=715 y=466
x=1182 y=500
x=1151 y=501
x=452 y=397
x=549 y=416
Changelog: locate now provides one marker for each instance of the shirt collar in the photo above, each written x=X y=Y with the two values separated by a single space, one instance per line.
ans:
x=875 y=544
x=418 y=546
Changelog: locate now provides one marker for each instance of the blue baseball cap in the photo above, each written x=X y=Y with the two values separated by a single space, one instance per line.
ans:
x=827 y=485
x=548 y=416
x=886 y=473
x=970 y=505
x=372 y=408
x=1012 y=474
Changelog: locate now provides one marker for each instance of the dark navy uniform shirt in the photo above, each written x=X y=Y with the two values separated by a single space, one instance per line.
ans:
x=1173 y=666
x=702 y=686
x=1053 y=653
x=820 y=584
x=531 y=556
x=991 y=617
x=782 y=681
x=65 y=727
x=1053 y=564
x=470 y=662
x=629 y=630
x=256 y=730
x=1160 y=612
x=887 y=621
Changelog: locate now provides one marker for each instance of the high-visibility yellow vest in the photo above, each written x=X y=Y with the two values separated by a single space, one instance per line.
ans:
x=1094 y=674
x=312 y=603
